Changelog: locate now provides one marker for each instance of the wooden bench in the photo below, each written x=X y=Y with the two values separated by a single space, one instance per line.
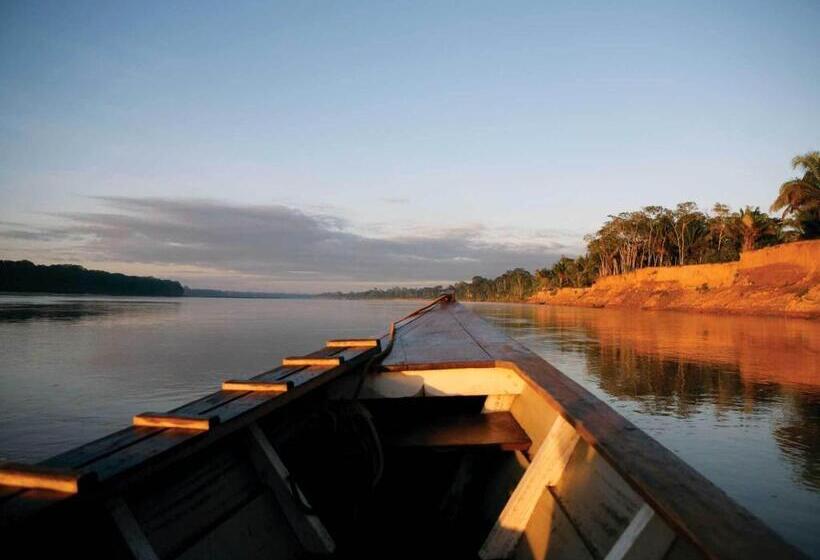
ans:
x=494 y=429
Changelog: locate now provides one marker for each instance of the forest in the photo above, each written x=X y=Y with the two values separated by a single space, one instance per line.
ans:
x=25 y=276
x=655 y=236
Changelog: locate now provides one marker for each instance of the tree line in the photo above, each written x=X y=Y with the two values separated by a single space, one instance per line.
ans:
x=655 y=236
x=25 y=276
x=658 y=236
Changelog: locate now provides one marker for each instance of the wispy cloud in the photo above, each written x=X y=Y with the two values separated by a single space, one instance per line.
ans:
x=279 y=247
x=398 y=200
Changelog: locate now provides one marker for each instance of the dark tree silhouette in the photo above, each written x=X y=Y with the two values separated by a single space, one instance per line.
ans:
x=25 y=276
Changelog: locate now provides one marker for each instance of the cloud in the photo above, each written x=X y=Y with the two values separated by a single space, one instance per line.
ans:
x=279 y=247
x=398 y=200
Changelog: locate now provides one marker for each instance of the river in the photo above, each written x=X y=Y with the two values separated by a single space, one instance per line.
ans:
x=738 y=398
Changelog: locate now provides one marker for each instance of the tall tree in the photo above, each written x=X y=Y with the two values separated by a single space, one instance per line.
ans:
x=721 y=221
x=689 y=223
x=756 y=225
x=800 y=197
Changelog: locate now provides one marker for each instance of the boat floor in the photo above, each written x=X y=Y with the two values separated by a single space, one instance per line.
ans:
x=448 y=468
x=428 y=498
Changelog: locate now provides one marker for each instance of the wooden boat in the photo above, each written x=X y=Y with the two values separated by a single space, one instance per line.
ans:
x=443 y=438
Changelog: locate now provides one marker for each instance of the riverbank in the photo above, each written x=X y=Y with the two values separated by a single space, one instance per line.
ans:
x=779 y=280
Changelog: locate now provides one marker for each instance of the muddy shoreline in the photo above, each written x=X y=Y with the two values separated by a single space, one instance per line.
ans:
x=778 y=281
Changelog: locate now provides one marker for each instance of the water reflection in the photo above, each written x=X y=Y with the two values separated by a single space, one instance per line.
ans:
x=16 y=309
x=74 y=368
x=683 y=388
x=676 y=363
x=798 y=435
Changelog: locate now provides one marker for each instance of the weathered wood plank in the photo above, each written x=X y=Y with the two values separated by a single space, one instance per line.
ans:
x=86 y=453
x=131 y=531
x=308 y=527
x=550 y=535
x=118 y=456
x=232 y=415
x=596 y=498
x=257 y=386
x=99 y=448
x=257 y=530
x=28 y=503
x=44 y=478
x=501 y=485
x=546 y=469
x=535 y=415
x=682 y=549
x=646 y=537
x=443 y=382
x=308 y=361
x=436 y=338
x=353 y=343
x=175 y=421
x=495 y=429
x=498 y=403
x=183 y=503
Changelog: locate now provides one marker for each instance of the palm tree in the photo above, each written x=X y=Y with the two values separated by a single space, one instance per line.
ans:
x=755 y=224
x=801 y=197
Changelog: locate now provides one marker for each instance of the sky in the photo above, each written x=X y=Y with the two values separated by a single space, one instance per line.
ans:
x=318 y=146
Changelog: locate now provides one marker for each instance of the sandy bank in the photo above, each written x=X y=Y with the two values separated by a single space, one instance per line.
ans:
x=781 y=280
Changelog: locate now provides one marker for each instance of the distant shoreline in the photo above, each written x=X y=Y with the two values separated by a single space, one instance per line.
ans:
x=783 y=280
x=26 y=278
x=234 y=294
x=184 y=296
x=779 y=281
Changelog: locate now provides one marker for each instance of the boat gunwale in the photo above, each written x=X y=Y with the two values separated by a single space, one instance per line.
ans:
x=17 y=504
x=689 y=502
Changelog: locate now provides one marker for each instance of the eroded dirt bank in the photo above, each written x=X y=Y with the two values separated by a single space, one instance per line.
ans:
x=781 y=280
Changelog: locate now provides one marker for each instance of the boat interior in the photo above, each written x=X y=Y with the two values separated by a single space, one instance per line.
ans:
x=421 y=462
x=434 y=462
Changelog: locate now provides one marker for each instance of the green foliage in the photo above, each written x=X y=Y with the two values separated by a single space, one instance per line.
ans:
x=758 y=229
x=568 y=273
x=651 y=236
x=799 y=198
x=656 y=236
x=25 y=276
x=390 y=293
x=513 y=285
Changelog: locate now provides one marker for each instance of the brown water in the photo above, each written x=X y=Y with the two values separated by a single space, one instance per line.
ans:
x=738 y=398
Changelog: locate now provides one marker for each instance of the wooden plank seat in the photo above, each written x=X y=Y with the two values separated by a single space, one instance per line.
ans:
x=353 y=343
x=38 y=477
x=257 y=386
x=494 y=429
x=178 y=421
x=309 y=361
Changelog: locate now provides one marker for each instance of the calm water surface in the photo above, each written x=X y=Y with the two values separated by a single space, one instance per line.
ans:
x=738 y=398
